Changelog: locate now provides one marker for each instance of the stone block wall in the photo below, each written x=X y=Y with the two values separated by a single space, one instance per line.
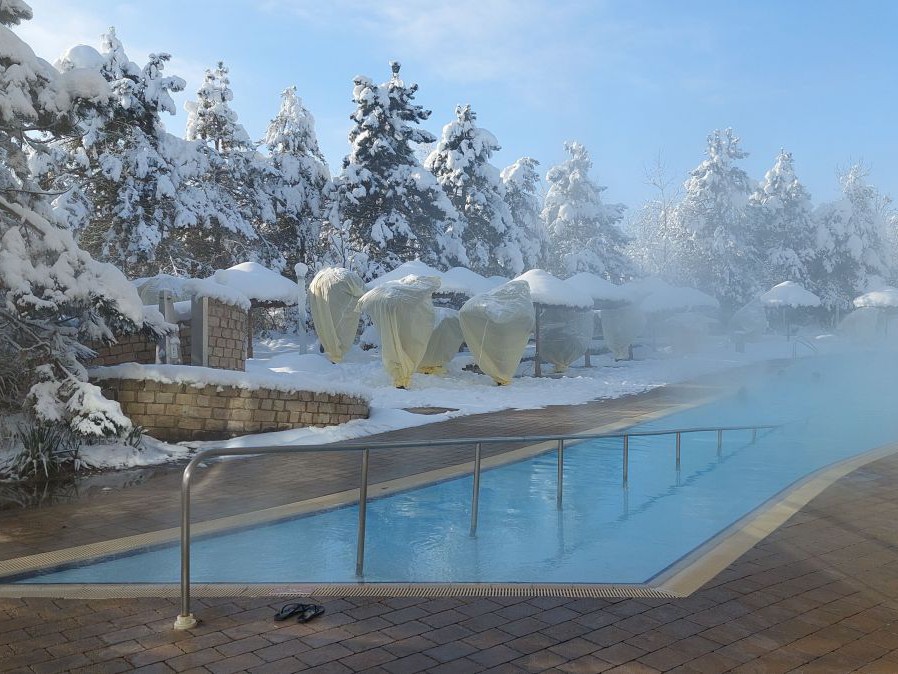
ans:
x=134 y=348
x=228 y=334
x=176 y=412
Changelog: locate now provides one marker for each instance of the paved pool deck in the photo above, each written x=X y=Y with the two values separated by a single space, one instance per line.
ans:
x=819 y=594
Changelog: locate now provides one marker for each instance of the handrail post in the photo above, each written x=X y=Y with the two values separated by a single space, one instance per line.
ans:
x=560 y=481
x=185 y=619
x=719 y=441
x=363 y=511
x=678 y=451
x=475 y=496
x=626 y=460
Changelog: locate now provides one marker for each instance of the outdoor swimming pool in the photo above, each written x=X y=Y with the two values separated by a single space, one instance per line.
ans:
x=832 y=409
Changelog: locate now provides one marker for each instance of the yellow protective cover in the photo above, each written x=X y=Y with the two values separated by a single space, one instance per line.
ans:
x=402 y=311
x=564 y=334
x=497 y=325
x=444 y=342
x=333 y=299
x=620 y=328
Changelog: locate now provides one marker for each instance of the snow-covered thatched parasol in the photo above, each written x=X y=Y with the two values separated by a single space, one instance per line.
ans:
x=884 y=300
x=605 y=294
x=564 y=313
x=789 y=295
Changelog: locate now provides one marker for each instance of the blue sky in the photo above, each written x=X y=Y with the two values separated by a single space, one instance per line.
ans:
x=629 y=79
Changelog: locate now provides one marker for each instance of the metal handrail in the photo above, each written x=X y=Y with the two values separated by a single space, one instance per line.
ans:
x=804 y=342
x=185 y=619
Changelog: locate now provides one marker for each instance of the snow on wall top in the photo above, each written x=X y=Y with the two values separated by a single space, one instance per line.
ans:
x=881 y=299
x=598 y=288
x=207 y=376
x=548 y=289
x=789 y=294
x=259 y=283
x=217 y=291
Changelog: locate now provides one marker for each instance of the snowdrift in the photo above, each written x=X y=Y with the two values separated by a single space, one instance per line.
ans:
x=333 y=299
x=497 y=326
x=404 y=316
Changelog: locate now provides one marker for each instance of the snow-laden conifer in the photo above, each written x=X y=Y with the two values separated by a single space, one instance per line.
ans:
x=461 y=164
x=851 y=257
x=521 y=181
x=299 y=182
x=583 y=230
x=784 y=231
x=389 y=208
x=53 y=294
x=710 y=234
x=235 y=178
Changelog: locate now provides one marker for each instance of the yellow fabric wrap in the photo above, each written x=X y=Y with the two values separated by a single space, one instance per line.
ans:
x=497 y=325
x=402 y=311
x=333 y=299
x=444 y=343
x=564 y=334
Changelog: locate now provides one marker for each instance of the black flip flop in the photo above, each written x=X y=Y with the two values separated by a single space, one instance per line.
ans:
x=311 y=611
x=290 y=610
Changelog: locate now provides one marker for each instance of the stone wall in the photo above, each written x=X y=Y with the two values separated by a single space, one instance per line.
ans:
x=176 y=412
x=134 y=348
x=228 y=331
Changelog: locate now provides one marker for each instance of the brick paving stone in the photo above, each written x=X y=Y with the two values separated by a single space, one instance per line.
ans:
x=537 y=641
x=452 y=650
x=63 y=664
x=588 y=664
x=317 y=656
x=416 y=662
x=460 y=666
x=496 y=655
x=237 y=663
x=541 y=661
x=366 y=659
x=619 y=653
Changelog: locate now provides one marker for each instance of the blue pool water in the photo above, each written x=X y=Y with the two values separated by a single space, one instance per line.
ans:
x=832 y=410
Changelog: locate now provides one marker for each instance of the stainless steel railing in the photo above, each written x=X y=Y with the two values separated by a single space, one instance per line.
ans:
x=186 y=620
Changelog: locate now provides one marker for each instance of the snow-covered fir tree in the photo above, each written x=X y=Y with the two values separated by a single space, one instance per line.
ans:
x=299 y=183
x=389 y=208
x=53 y=295
x=461 y=164
x=521 y=181
x=583 y=231
x=710 y=236
x=851 y=255
x=235 y=179
x=784 y=231
x=124 y=173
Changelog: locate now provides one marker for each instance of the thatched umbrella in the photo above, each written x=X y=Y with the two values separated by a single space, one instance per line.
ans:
x=789 y=295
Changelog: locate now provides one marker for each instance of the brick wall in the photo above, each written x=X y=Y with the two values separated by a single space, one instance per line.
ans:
x=176 y=412
x=134 y=348
x=228 y=331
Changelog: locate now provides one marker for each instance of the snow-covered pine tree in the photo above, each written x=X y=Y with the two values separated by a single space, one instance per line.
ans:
x=710 y=235
x=784 y=231
x=235 y=179
x=461 y=164
x=53 y=295
x=583 y=231
x=124 y=172
x=389 y=208
x=521 y=182
x=299 y=183
x=851 y=256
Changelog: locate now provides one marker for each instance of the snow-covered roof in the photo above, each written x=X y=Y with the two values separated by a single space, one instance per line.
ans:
x=676 y=298
x=548 y=289
x=466 y=282
x=598 y=288
x=149 y=287
x=259 y=283
x=881 y=299
x=412 y=268
x=789 y=294
x=217 y=291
